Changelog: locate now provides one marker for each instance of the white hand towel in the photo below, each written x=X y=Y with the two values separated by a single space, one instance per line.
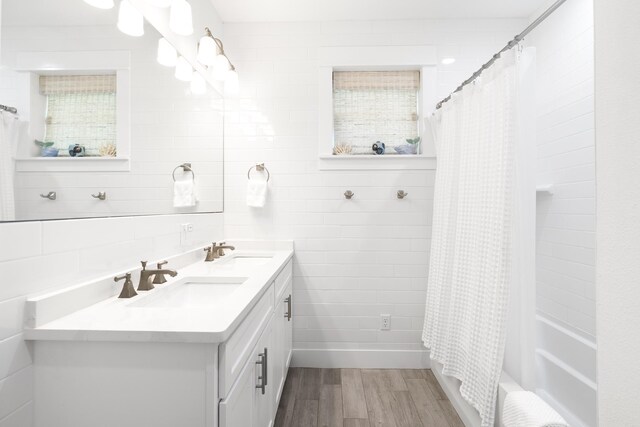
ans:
x=256 y=193
x=184 y=193
x=526 y=409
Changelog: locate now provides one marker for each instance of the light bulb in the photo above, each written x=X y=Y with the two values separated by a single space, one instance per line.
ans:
x=130 y=20
x=198 y=84
x=231 y=84
x=180 y=18
x=100 y=4
x=207 y=50
x=167 y=54
x=220 y=67
x=159 y=3
x=184 y=70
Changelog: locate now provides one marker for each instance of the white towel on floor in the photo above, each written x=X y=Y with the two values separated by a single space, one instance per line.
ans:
x=527 y=409
x=256 y=193
x=184 y=193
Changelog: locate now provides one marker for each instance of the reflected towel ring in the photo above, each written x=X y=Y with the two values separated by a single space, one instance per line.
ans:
x=260 y=167
x=186 y=167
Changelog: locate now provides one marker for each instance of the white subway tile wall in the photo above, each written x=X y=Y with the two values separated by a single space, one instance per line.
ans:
x=355 y=259
x=43 y=256
x=566 y=159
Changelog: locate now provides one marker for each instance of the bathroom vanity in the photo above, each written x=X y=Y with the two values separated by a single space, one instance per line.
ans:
x=210 y=347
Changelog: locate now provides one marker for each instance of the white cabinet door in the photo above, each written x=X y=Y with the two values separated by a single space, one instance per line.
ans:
x=263 y=379
x=279 y=350
x=237 y=409
x=288 y=326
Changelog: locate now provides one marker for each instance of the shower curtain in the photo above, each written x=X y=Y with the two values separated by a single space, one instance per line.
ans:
x=8 y=129
x=474 y=223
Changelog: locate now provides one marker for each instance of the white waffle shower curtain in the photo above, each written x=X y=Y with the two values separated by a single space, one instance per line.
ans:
x=475 y=210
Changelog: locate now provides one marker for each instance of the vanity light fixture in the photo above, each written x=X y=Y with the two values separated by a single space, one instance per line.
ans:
x=211 y=53
x=180 y=18
x=100 y=4
x=198 y=84
x=208 y=48
x=184 y=70
x=167 y=54
x=130 y=20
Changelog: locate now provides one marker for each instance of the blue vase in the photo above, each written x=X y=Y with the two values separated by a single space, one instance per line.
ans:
x=49 y=152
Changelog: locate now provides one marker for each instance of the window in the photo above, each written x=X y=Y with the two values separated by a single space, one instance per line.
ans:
x=80 y=109
x=372 y=106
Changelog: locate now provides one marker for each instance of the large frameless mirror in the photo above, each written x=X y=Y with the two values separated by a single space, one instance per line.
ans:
x=94 y=126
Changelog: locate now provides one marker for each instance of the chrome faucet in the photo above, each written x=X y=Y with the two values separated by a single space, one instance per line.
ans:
x=127 y=289
x=211 y=253
x=145 y=283
x=159 y=277
x=220 y=249
x=216 y=251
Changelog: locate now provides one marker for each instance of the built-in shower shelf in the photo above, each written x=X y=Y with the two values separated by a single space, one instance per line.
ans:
x=544 y=188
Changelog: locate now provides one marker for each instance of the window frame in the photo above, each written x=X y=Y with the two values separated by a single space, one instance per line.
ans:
x=81 y=62
x=386 y=58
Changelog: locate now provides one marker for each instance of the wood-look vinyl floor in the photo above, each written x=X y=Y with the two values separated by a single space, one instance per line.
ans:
x=364 y=398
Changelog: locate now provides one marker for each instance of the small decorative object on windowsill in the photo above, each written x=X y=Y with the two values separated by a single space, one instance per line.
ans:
x=108 y=150
x=47 y=149
x=410 y=148
x=342 y=149
x=76 y=150
x=378 y=147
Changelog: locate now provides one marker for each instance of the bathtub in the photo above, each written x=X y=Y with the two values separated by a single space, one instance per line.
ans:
x=565 y=377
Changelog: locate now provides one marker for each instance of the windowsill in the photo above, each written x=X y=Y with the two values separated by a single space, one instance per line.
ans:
x=376 y=162
x=72 y=164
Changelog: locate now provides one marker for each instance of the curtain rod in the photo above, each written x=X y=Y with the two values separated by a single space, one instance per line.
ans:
x=13 y=110
x=514 y=42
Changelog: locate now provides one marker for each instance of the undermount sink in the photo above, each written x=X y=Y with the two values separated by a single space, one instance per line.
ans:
x=245 y=261
x=191 y=292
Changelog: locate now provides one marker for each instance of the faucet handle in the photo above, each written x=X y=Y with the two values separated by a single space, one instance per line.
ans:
x=159 y=278
x=144 y=264
x=127 y=289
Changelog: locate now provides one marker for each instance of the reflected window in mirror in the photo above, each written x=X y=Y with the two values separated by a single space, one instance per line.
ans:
x=80 y=117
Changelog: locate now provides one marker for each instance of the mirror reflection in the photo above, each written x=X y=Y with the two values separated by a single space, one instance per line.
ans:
x=93 y=125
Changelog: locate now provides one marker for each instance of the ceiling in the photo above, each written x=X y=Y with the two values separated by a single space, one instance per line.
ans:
x=354 y=10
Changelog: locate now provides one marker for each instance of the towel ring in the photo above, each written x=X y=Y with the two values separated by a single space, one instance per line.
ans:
x=260 y=167
x=186 y=167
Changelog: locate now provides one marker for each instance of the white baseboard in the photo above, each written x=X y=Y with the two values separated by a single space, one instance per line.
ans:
x=451 y=387
x=389 y=359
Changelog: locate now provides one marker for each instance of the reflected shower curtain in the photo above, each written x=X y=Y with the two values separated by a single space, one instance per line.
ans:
x=473 y=227
x=8 y=130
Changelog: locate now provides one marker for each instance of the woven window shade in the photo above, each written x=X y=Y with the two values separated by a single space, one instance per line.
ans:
x=372 y=106
x=54 y=85
x=80 y=110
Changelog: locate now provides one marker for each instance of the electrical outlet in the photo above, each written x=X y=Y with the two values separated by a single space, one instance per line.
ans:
x=385 y=322
x=184 y=229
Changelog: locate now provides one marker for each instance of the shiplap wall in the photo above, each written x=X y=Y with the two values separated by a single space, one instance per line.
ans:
x=357 y=259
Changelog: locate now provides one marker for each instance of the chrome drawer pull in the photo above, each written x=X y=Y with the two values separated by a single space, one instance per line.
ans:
x=287 y=315
x=263 y=378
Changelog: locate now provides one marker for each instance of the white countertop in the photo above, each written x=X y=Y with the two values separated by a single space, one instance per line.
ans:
x=119 y=319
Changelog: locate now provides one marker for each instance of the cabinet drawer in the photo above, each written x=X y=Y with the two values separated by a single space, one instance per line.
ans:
x=235 y=352
x=283 y=277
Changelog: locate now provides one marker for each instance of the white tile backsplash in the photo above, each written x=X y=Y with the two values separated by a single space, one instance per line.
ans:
x=356 y=259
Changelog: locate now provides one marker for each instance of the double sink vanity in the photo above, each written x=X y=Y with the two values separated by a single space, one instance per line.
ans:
x=209 y=347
